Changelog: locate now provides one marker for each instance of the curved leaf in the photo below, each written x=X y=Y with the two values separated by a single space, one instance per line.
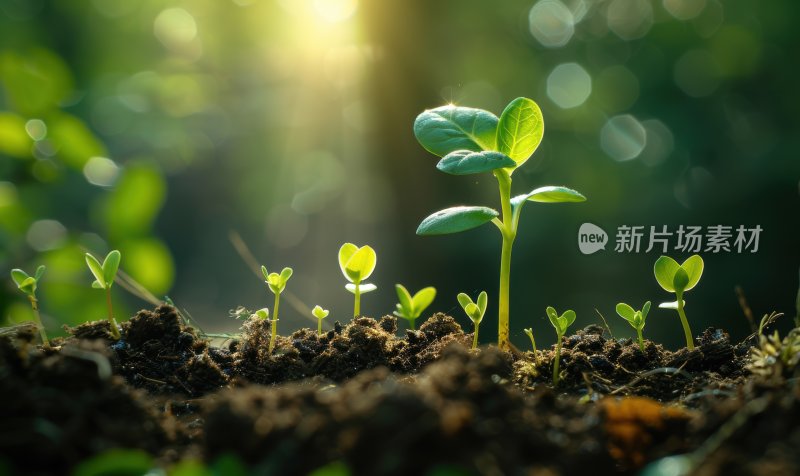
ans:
x=110 y=267
x=551 y=194
x=645 y=310
x=483 y=300
x=39 y=272
x=553 y=316
x=625 y=311
x=520 y=129
x=345 y=253
x=694 y=270
x=568 y=317
x=680 y=280
x=455 y=219
x=422 y=299
x=449 y=128
x=319 y=313
x=265 y=272
x=286 y=273
x=664 y=270
x=464 y=300
x=670 y=305
x=97 y=269
x=465 y=162
x=363 y=288
x=361 y=264
x=18 y=276
x=404 y=297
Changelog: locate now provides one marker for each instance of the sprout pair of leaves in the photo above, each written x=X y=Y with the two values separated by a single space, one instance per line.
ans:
x=104 y=276
x=561 y=324
x=357 y=264
x=474 y=310
x=277 y=282
x=28 y=284
x=320 y=314
x=262 y=314
x=411 y=307
x=679 y=278
x=635 y=318
x=472 y=141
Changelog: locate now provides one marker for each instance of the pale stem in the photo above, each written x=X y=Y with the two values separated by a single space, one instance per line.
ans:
x=319 y=326
x=38 y=319
x=274 y=322
x=686 y=330
x=111 y=321
x=558 y=359
x=357 y=308
x=641 y=339
x=475 y=337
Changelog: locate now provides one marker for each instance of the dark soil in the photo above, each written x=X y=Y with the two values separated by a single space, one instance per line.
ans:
x=380 y=404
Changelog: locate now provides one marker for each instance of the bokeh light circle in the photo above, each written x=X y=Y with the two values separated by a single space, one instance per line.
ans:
x=569 y=85
x=623 y=137
x=551 y=23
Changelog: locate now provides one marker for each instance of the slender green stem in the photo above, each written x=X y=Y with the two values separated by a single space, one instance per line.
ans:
x=686 y=330
x=641 y=339
x=533 y=344
x=508 y=230
x=274 y=322
x=412 y=323
x=556 y=363
x=319 y=326
x=475 y=336
x=38 y=319
x=111 y=321
x=357 y=308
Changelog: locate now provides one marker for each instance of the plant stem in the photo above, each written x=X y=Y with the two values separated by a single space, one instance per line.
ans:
x=357 y=308
x=274 y=322
x=111 y=321
x=685 y=322
x=558 y=359
x=38 y=319
x=319 y=326
x=412 y=324
x=475 y=336
x=533 y=344
x=509 y=232
x=641 y=339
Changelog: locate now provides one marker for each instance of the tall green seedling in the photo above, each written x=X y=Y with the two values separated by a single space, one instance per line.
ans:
x=679 y=278
x=635 y=318
x=28 y=284
x=472 y=141
x=561 y=324
x=411 y=307
x=104 y=276
x=276 y=283
x=474 y=310
x=357 y=264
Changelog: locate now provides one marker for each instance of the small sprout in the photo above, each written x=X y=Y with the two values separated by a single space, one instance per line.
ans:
x=410 y=308
x=357 y=264
x=276 y=283
x=475 y=311
x=529 y=333
x=28 y=284
x=320 y=314
x=561 y=324
x=679 y=278
x=775 y=357
x=262 y=314
x=635 y=318
x=104 y=275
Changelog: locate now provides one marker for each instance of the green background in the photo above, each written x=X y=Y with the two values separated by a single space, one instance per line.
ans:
x=158 y=127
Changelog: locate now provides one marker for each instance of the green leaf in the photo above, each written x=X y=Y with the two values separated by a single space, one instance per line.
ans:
x=464 y=300
x=568 y=317
x=664 y=270
x=28 y=286
x=320 y=313
x=110 y=267
x=286 y=273
x=550 y=194
x=483 y=300
x=97 y=270
x=18 y=276
x=465 y=162
x=345 y=253
x=361 y=264
x=455 y=219
x=680 y=280
x=264 y=272
x=262 y=313
x=520 y=130
x=473 y=312
x=694 y=270
x=450 y=128
x=39 y=273
x=645 y=310
x=625 y=311
x=422 y=299
x=97 y=284
x=553 y=316
x=116 y=462
x=404 y=297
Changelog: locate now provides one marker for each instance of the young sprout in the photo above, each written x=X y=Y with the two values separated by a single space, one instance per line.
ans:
x=679 y=278
x=104 y=275
x=561 y=323
x=529 y=332
x=635 y=318
x=27 y=284
x=472 y=141
x=410 y=308
x=357 y=265
x=320 y=314
x=276 y=283
x=262 y=314
x=474 y=310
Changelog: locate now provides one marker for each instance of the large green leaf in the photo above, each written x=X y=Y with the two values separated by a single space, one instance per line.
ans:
x=455 y=219
x=465 y=162
x=625 y=311
x=694 y=270
x=520 y=130
x=664 y=270
x=450 y=128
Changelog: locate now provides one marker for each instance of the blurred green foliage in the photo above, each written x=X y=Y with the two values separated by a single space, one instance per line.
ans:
x=157 y=127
